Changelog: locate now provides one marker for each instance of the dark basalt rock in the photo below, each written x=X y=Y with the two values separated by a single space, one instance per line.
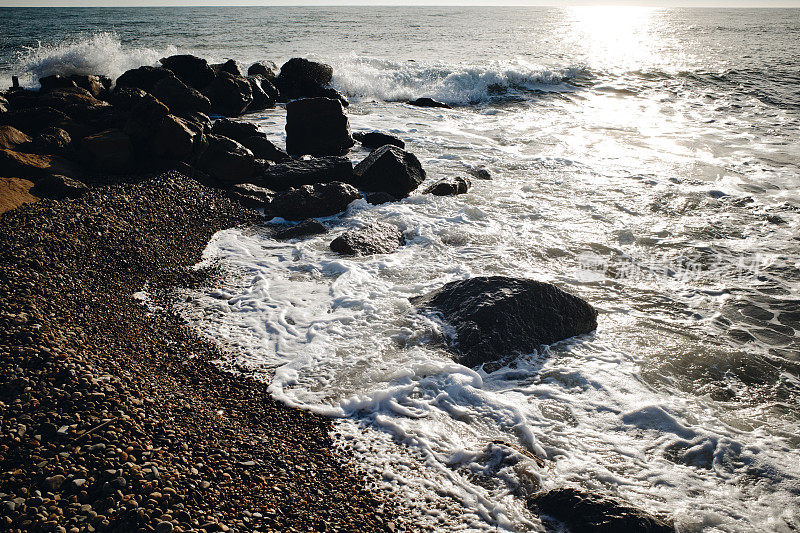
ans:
x=179 y=139
x=376 y=139
x=191 y=70
x=428 y=102
x=263 y=148
x=226 y=160
x=266 y=69
x=307 y=172
x=11 y=138
x=179 y=97
x=230 y=95
x=317 y=126
x=480 y=173
x=59 y=187
x=33 y=120
x=233 y=129
x=301 y=78
x=144 y=78
x=97 y=86
x=230 y=66
x=376 y=238
x=56 y=81
x=303 y=229
x=496 y=316
x=449 y=186
x=584 y=512
x=264 y=93
x=378 y=198
x=250 y=195
x=126 y=98
x=311 y=201
x=109 y=150
x=389 y=169
x=52 y=141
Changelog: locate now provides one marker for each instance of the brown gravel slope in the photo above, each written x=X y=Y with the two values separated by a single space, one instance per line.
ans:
x=114 y=418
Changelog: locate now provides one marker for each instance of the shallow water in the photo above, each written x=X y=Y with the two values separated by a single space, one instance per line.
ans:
x=645 y=160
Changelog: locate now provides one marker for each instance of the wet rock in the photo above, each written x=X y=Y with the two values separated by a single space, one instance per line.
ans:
x=179 y=97
x=307 y=172
x=59 y=187
x=97 y=86
x=311 y=201
x=449 y=186
x=56 y=81
x=126 y=98
x=234 y=129
x=263 y=148
x=34 y=166
x=428 y=102
x=250 y=195
x=378 y=198
x=52 y=141
x=480 y=173
x=230 y=95
x=109 y=150
x=230 y=66
x=266 y=69
x=192 y=70
x=146 y=116
x=264 y=93
x=584 y=512
x=376 y=139
x=77 y=104
x=301 y=78
x=376 y=238
x=33 y=120
x=176 y=138
x=303 y=229
x=318 y=127
x=11 y=138
x=495 y=316
x=389 y=169
x=144 y=78
x=227 y=161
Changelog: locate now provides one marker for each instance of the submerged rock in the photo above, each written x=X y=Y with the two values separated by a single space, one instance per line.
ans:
x=303 y=229
x=428 y=102
x=378 y=198
x=311 y=201
x=389 y=169
x=376 y=238
x=584 y=512
x=494 y=316
x=193 y=71
x=307 y=172
x=318 y=127
x=449 y=186
x=376 y=139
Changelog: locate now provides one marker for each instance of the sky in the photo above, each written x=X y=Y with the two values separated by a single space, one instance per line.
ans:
x=661 y=3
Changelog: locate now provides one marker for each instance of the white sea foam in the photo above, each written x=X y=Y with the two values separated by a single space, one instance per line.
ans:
x=101 y=53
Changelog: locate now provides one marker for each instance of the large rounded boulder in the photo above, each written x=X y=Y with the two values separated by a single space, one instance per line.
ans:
x=193 y=71
x=317 y=126
x=230 y=94
x=311 y=201
x=495 y=316
x=391 y=170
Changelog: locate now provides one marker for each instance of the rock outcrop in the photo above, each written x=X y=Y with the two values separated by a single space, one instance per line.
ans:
x=389 y=169
x=307 y=172
x=193 y=71
x=318 y=127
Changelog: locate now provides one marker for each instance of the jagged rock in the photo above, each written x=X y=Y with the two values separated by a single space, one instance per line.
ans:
x=389 y=169
x=176 y=138
x=234 y=129
x=428 y=102
x=33 y=120
x=126 y=98
x=97 y=86
x=144 y=78
x=52 y=141
x=34 y=166
x=146 y=117
x=179 y=97
x=266 y=69
x=496 y=316
x=192 y=70
x=303 y=229
x=317 y=126
x=109 y=150
x=307 y=172
x=449 y=186
x=59 y=187
x=227 y=161
x=3 y=104
x=11 y=138
x=264 y=93
x=263 y=148
x=230 y=66
x=56 y=81
x=250 y=195
x=311 y=201
x=376 y=139
x=76 y=103
x=230 y=95
x=375 y=238
x=202 y=120
x=584 y=512
x=378 y=198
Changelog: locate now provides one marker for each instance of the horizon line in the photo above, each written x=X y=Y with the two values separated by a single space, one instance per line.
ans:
x=658 y=4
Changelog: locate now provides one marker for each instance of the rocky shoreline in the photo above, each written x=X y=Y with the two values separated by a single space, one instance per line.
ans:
x=115 y=418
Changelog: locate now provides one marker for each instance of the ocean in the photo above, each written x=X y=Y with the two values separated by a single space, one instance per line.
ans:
x=644 y=159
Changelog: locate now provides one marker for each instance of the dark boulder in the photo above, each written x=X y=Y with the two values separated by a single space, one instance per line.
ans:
x=144 y=78
x=376 y=139
x=15 y=164
x=303 y=229
x=584 y=512
x=227 y=161
x=311 y=201
x=375 y=238
x=193 y=71
x=496 y=316
x=480 y=173
x=250 y=195
x=449 y=186
x=145 y=118
x=33 y=120
x=301 y=78
x=12 y=139
x=389 y=169
x=317 y=126
x=307 y=172
x=126 y=98
x=263 y=148
x=56 y=81
x=230 y=95
x=234 y=129
x=264 y=93
x=266 y=69
x=52 y=141
x=76 y=103
x=378 y=198
x=179 y=139
x=179 y=97
x=230 y=66
x=109 y=151
x=59 y=187
x=97 y=86
x=202 y=120
x=428 y=102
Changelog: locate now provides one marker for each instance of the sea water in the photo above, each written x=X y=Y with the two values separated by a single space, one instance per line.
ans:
x=643 y=159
